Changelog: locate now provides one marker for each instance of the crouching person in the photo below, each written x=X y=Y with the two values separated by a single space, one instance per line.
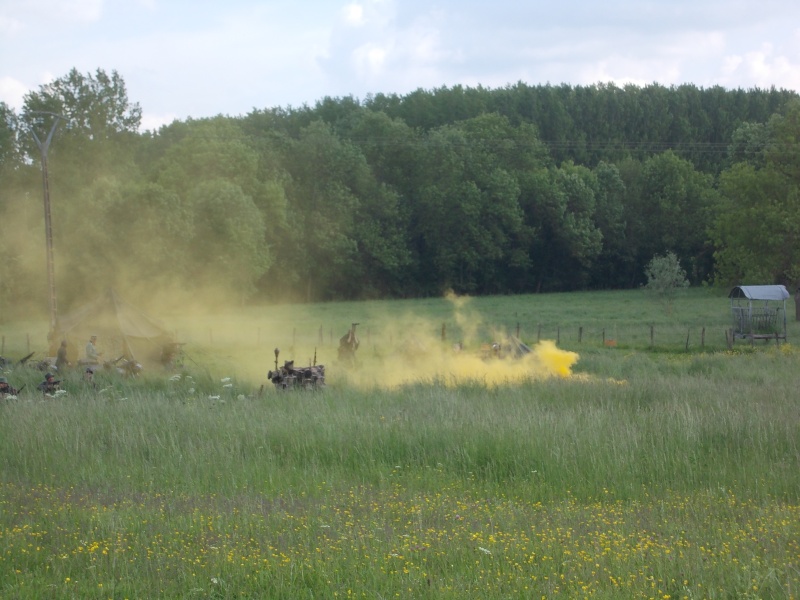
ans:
x=6 y=391
x=50 y=385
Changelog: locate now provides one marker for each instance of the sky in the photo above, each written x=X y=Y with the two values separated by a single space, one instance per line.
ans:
x=200 y=58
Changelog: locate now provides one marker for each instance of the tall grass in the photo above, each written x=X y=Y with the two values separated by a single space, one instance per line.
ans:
x=652 y=472
x=702 y=422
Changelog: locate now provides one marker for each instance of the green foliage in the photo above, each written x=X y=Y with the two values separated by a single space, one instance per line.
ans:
x=665 y=278
x=513 y=190
x=95 y=107
x=757 y=225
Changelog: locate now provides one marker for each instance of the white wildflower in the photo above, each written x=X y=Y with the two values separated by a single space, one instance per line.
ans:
x=60 y=392
x=225 y=379
x=213 y=397
x=484 y=550
x=240 y=397
x=175 y=378
x=228 y=386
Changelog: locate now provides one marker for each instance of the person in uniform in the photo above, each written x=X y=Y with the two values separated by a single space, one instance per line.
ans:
x=92 y=355
x=49 y=385
x=61 y=357
x=6 y=389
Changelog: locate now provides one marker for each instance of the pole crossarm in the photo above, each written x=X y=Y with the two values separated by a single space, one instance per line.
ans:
x=48 y=225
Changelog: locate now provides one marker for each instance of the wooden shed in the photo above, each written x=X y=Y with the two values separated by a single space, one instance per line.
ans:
x=759 y=311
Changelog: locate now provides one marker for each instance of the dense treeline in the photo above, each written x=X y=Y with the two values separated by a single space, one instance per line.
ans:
x=520 y=189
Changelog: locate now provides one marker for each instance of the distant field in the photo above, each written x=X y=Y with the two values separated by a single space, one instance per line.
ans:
x=652 y=469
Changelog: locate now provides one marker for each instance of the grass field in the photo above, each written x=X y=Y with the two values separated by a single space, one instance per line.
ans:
x=650 y=468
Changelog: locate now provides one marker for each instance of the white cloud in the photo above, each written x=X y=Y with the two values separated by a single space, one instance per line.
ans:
x=27 y=11
x=153 y=122
x=761 y=68
x=9 y=25
x=12 y=92
x=353 y=14
x=369 y=59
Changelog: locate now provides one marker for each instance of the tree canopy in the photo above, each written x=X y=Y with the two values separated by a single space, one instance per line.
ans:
x=519 y=189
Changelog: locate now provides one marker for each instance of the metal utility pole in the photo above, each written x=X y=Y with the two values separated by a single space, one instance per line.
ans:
x=48 y=225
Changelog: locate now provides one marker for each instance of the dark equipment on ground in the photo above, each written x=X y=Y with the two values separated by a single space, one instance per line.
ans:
x=123 y=366
x=348 y=344
x=8 y=363
x=513 y=347
x=289 y=377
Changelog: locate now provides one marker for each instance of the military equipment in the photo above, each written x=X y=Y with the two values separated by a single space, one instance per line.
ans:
x=513 y=347
x=289 y=377
x=126 y=368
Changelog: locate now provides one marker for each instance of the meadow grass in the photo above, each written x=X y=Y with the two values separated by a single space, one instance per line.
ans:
x=652 y=472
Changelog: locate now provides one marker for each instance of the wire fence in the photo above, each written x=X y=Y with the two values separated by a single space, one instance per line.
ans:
x=687 y=337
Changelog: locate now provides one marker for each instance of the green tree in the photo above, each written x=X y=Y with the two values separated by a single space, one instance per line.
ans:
x=560 y=205
x=467 y=221
x=665 y=279
x=675 y=212
x=757 y=226
x=207 y=182
x=9 y=140
x=95 y=106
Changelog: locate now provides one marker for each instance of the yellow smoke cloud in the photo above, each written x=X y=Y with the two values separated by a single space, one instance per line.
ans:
x=451 y=366
x=412 y=353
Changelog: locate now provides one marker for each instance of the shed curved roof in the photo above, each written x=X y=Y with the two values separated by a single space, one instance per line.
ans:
x=760 y=292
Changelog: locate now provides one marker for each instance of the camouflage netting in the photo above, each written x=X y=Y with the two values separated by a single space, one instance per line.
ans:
x=122 y=330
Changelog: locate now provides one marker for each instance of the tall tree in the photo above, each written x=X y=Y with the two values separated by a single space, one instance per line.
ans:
x=675 y=212
x=757 y=225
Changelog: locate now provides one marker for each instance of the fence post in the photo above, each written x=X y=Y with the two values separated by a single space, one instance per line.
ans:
x=703 y=338
x=604 y=336
x=517 y=329
x=539 y=333
x=580 y=334
x=558 y=334
x=444 y=331
x=652 y=334
x=687 y=339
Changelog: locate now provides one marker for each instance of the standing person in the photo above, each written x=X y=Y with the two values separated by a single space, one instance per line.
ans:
x=92 y=355
x=6 y=389
x=61 y=357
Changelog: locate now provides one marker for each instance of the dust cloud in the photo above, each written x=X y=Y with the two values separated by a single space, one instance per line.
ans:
x=220 y=332
x=419 y=356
